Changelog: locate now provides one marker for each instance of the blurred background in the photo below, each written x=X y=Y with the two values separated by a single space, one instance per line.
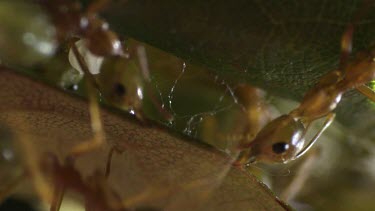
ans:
x=337 y=173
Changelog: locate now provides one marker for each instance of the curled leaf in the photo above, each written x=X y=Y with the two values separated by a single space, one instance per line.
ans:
x=158 y=168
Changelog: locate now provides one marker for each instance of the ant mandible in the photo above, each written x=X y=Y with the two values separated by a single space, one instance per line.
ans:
x=282 y=140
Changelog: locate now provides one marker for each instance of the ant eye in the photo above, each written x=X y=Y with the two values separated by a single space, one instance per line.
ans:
x=119 y=89
x=280 y=147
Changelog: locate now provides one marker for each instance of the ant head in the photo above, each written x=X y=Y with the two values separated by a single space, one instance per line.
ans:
x=279 y=141
x=103 y=42
x=121 y=82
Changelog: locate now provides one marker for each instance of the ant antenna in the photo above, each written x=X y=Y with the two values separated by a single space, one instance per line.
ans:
x=346 y=45
x=143 y=64
x=326 y=124
x=171 y=95
x=347 y=38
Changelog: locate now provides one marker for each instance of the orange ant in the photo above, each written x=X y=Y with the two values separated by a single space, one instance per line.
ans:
x=282 y=140
x=120 y=80
x=64 y=177
x=97 y=195
x=95 y=189
x=71 y=22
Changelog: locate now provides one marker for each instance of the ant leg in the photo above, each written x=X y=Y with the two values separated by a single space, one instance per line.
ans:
x=109 y=159
x=96 y=123
x=347 y=38
x=366 y=91
x=301 y=176
x=329 y=119
x=346 y=46
x=57 y=198
x=10 y=187
x=33 y=169
x=141 y=54
x=97 y=6
x=109 y=162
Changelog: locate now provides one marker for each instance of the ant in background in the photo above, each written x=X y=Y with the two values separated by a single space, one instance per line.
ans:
x=71 y=23
x=95 y=189
x=47 y=171
x=282 y=140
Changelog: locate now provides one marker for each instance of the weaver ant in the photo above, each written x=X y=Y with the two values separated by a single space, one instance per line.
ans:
x=282 y=140
x=71 y=23
x=47 y=171
x=119 y=79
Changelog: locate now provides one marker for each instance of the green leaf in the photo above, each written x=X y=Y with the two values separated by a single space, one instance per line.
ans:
x=281 y=46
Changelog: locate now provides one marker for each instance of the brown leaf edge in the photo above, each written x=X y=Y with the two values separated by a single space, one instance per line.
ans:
x=29 y=95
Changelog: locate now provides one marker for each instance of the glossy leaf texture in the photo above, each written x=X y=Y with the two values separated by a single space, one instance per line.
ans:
x=281 y=46
x=158 y=169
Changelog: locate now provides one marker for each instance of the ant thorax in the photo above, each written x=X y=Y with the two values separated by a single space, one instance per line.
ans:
x=318 y=103
x=93 y=61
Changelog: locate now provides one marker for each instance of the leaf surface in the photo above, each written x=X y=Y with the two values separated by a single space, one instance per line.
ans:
x=158 y=168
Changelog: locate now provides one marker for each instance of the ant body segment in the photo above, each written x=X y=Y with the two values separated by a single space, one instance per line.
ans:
x=46 y=171
x=71 y=22
x=117 y=78
x=282 y=140
x=97 y=195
